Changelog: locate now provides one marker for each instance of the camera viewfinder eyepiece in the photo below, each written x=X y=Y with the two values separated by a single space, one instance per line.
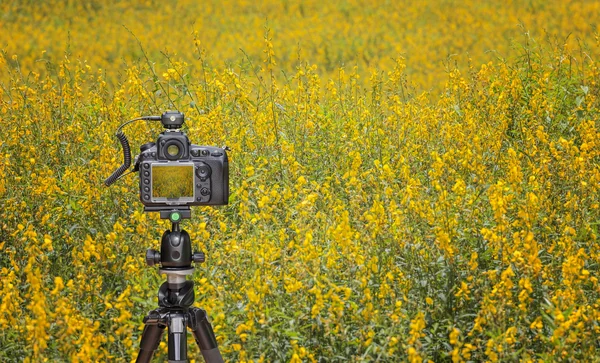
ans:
x=172 y=120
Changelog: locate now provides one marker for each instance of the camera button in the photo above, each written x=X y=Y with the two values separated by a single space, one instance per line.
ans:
x=146 y=173
x=217 y=154
x=146 y=181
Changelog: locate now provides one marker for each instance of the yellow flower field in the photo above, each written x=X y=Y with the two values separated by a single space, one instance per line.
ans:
x=410 y=181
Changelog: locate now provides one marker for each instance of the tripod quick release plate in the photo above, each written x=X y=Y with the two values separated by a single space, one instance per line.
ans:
x=174 y=215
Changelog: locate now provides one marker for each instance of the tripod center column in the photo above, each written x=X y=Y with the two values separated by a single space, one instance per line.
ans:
x=177 y=338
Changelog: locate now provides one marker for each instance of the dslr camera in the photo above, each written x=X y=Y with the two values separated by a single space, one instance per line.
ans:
x=173 y=172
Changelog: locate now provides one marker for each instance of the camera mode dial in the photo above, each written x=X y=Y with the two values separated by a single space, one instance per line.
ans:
x=147 y=146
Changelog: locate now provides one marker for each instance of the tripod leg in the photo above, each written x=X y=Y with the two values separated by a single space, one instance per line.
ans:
x=150 y=340
x=204 y=335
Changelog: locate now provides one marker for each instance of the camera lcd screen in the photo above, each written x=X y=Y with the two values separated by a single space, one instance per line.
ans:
x=173 y=182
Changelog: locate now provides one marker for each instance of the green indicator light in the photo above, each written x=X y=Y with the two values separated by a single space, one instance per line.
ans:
x=175 y=216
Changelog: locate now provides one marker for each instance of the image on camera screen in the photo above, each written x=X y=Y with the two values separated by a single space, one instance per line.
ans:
x=173 y=182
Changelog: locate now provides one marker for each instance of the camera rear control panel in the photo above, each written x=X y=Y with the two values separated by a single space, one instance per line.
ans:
x=203 y=172
x=145 y=182
x=200 y=152
x=168 y=183
x=206 y=153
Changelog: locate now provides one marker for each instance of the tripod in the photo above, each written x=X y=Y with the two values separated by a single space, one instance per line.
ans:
x=175 y=299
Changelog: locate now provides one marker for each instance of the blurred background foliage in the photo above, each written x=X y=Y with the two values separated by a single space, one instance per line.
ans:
x=430 y=35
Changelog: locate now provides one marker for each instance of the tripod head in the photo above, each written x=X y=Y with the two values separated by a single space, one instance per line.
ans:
x=175 y=256
x=176 y=296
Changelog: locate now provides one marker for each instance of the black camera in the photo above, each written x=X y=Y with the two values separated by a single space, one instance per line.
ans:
x=175 y=173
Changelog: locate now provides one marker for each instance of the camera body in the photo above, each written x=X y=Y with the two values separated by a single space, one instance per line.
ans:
x=175 y=173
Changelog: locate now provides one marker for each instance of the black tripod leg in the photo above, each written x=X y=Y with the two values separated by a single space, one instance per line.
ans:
x=150 y=341
x=204 y=335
